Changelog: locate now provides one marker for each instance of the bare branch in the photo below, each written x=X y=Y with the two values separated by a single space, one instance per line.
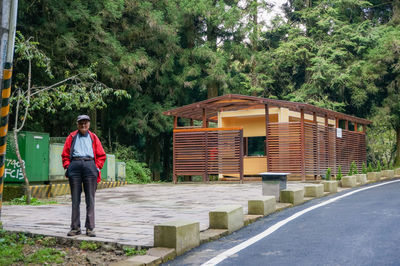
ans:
x=55 y=84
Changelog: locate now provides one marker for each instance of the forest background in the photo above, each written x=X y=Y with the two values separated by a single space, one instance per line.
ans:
x=338 y=54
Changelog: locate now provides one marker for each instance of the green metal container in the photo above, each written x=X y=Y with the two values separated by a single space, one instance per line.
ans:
x=104 y=171
x=108 y=171
x=120 y=171
x=34 y=149
x=56 y=169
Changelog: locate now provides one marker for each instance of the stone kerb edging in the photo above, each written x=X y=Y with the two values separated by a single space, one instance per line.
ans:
x=179 y=235
x=294 y=196
x=349 y=181
x=314 y=190
x=227 y=219
x=262 y=206
x=388 y=173
x=361 y=178
x=330 y=186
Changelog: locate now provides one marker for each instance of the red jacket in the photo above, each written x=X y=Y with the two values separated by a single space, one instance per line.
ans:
x=98 y=152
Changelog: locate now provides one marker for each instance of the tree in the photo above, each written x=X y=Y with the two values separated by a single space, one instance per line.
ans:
x=83 y=87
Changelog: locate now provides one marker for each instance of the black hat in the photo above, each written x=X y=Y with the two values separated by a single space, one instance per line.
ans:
x=82 y=117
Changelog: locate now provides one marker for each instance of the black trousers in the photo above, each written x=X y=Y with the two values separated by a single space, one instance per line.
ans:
x=83 y=173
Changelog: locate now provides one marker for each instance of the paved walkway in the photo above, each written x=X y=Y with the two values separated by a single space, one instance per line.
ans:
x=127 y=214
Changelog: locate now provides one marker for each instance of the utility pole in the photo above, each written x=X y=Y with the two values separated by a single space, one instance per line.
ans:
x=8 y=27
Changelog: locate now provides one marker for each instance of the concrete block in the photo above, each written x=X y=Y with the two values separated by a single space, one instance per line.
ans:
x=388 y=173
x=397 y=171
x=165 y=254
x=372 y=176
x=314 y=190
x=292 y=195
x=180 y=235
x=361 y=178
x=378 y=175
x=262 y=206
x=330 y=186
x=227 y=217
x=349 y=181
x=142 y=260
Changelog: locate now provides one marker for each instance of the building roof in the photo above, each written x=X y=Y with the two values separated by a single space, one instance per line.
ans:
x=233 y=102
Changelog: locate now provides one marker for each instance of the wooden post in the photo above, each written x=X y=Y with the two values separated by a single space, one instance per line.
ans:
x=175 y=121
x=316 y=145
x=191 y=122
x=241 y=156
x=336 y=122
x=355 y=126
x=266 y=136
x=327 y=144
x=205 y=174
x=204 y=118
x=302 y=146
x=174 y=177
x=346 y=125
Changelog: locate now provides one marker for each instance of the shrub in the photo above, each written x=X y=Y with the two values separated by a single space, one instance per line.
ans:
x=370 y=168
x=378 y=167
x=328 y=174
x=136 y=172
x=339 y=173
x=364 y=168
x=354 y=165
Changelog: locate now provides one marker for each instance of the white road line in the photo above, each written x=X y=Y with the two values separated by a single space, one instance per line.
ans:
x=273 y=228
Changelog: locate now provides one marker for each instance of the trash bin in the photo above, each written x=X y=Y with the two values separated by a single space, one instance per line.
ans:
x=120 y=171
x=273 y=183
x=108 y=171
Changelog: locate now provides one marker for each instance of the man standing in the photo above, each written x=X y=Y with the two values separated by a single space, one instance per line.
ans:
x=83 y=157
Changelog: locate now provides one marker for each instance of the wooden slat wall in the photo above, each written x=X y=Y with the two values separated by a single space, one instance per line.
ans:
x=284 y=147
x=322 y=149
x=204 y=152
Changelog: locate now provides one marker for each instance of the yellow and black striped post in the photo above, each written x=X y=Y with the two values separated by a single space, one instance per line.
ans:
x=5 y=108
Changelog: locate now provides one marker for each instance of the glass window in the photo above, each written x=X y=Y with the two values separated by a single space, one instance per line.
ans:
x=255 y=146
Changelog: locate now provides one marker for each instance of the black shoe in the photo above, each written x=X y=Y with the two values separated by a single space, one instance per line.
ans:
x=90 y=232
x=74 y=232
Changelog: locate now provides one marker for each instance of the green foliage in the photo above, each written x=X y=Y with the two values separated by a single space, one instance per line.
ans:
x=34 y=201
x=341 y=55
x=132 y=251
x=11 y=251
x=136 y=172
x=86 y=245
x=378 y=167
x=47 y=241
x=354 y=166
x=339 y=174
x=370 y=168
x=45 y=255
x=328 y=174
x=364 y=169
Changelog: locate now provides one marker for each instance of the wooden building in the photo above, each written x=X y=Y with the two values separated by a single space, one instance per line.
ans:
x=250 y=135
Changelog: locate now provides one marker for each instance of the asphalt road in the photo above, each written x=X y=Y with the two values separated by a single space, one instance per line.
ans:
x=362 y=228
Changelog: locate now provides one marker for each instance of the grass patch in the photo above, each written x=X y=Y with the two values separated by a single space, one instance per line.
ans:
x=45 y=255
x=12 y=250
x=132 y=251
x=34 y=201
x=85 y=245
